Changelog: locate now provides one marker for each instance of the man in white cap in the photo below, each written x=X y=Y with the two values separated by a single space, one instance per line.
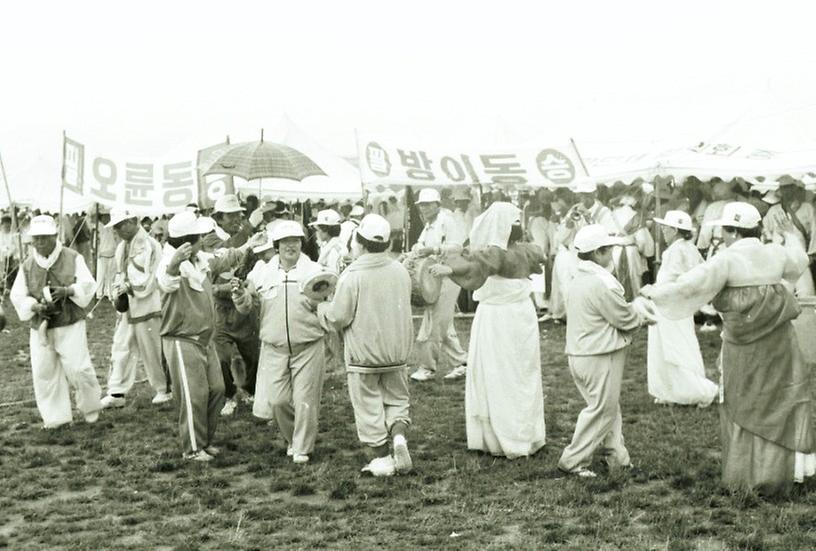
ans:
x=292 y=357
x=106 y=250
x=599 y=325
x=188 y=328
x=595 y=211
x=229 y=215
x=466 y=209
x=139 y=321
x=332 y=248
x=347 y=227
x=236 y=336
x=372 y=307
x=437 y=341
x=52 y=289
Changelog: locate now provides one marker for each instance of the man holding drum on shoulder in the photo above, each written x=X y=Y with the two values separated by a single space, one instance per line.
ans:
x=437 y=341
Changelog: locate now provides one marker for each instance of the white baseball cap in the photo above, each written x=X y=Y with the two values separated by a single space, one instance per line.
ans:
x=328 y=217
x=287 y=228
x=266 y=246
x=739 y=215
x=42 y=225
x=214 y=227
x=357 y=210
x=187 y=222
x=228 y=203
x=676 y=219
x=375 y=228
x=428 y=195
x=592 y=237
x=118 y=215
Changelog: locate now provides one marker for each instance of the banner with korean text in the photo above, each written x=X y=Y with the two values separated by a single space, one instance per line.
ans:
x=143 y=186
x=387 y=163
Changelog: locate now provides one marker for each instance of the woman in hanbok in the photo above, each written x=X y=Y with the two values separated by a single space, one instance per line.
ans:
x=504 y=397
x=675 y=368
x=766 y=418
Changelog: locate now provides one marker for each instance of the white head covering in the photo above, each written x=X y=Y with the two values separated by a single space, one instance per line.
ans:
x=493 y=227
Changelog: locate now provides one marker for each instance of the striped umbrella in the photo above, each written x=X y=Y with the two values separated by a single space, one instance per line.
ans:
x=253 y=160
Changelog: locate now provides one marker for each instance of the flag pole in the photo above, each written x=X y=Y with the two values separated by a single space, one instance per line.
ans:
x=580 y=159
x=62 y=188
x=15 y=227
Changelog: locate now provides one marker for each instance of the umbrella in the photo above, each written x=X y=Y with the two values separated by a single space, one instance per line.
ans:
x=253 y=160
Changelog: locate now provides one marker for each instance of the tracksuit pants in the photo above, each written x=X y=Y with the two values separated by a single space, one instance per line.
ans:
x=288 y=390
x=379 y=400
x=132 y=341
x=59 y=364
x=198 y=388
x=599 y=424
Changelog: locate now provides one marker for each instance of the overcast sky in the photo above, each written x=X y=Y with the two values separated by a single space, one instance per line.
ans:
x=150 y=78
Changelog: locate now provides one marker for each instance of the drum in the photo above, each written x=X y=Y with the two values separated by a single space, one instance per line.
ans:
x=319 y=286
x=425 y=286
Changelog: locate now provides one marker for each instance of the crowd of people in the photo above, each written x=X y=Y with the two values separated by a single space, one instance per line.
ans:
x=221 y=309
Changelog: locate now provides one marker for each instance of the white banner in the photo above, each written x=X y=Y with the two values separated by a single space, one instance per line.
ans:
x=138 y=185
x=385 y=162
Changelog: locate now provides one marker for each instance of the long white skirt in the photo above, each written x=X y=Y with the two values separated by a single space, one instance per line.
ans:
x=504 y=396
x=676 y=372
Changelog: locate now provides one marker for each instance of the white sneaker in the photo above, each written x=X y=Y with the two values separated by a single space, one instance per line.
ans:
x=229 y=407
x=162 y=397
x=199 y=455
x=290 y=451
x=381 y=466
x=300 y=458
x=423 y=374
x=212 y=450
x=113 y=402
x=402 y=459
x=92 y=417
x=456 y=373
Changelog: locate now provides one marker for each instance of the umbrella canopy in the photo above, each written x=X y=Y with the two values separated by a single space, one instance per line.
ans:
x=253 y=160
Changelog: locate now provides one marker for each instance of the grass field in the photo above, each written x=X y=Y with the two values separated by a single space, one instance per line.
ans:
x=121 y=483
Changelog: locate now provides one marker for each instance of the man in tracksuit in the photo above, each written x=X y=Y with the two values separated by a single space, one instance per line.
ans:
x=188 y=327
x=599 y=326
x=292 y=359
x=372 y=306
x=137 y=331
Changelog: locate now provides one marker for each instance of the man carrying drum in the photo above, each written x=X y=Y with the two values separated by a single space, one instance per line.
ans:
x=437 y=341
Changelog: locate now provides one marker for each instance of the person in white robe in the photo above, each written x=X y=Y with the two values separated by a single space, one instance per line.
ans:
x=675 y=368
x=504 y=398
x=52 y=289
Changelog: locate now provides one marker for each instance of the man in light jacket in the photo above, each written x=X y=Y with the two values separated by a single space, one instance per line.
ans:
x=599 y=322
x=372 y=306
x=137 y=330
